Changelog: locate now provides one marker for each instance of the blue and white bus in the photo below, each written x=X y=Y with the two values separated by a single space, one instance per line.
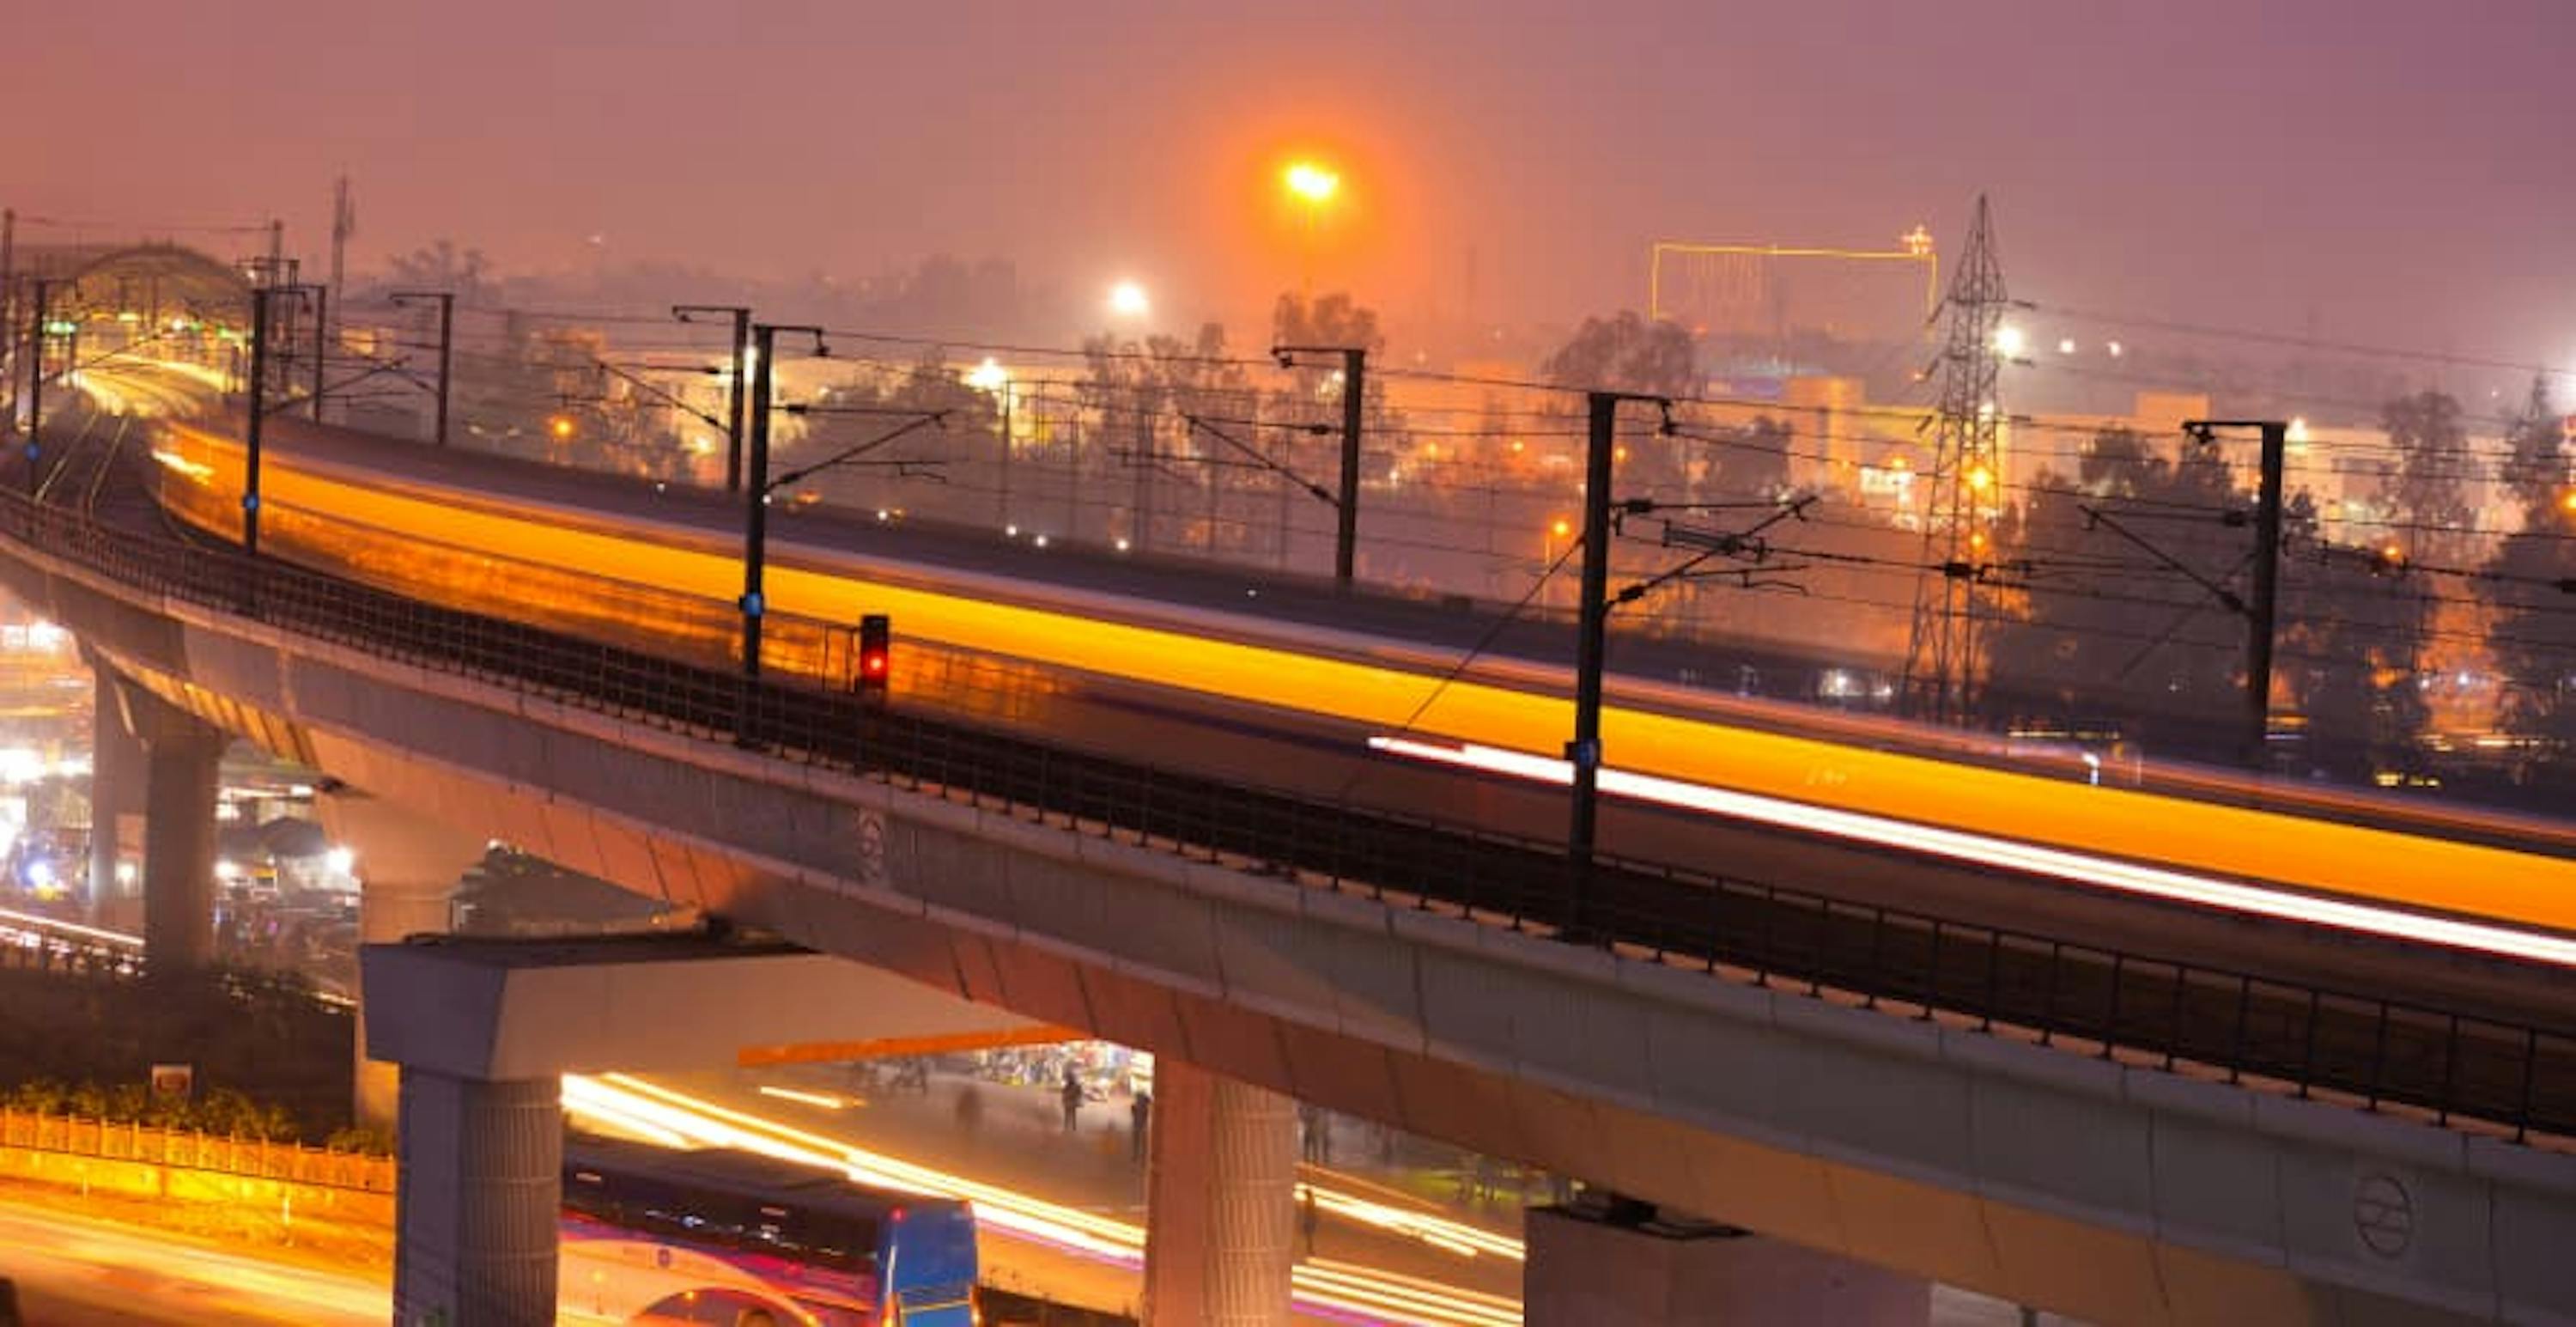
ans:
x=735 y=1239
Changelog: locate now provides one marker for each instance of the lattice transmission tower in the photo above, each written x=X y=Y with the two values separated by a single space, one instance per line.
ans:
x=1963 y=485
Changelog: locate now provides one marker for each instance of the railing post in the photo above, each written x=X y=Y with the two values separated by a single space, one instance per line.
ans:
x=2111 y=1017
x=2244 y=1011
x=2378 y=1055
x=2450 y=1058
x=2048 y=993
x=2308 y=1056
x=1994 y=980
x=2530 y=1070
x=2173 y=1023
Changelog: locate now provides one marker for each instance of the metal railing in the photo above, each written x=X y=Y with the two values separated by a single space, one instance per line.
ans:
x=2245 y=1027
x=187 y=1149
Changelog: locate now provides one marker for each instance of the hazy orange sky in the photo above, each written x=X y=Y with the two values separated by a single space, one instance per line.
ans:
x=2387 y=170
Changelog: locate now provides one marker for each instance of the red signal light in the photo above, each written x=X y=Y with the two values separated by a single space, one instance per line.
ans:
x=876 y=654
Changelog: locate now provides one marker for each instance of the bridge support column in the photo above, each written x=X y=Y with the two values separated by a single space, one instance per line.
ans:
x=481 y=1190
x=1220 y=1201
x=484 y=1029
x=117 y=771
x=1622 y=1266
x=408 y=867
x=182 y=757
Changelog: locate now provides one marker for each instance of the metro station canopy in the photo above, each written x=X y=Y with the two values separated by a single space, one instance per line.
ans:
x=149 y=283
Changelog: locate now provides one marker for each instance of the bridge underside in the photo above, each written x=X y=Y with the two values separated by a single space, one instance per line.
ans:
x=2103 y=1190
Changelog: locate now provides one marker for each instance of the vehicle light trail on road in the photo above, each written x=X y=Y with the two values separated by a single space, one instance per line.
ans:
x=818 y=1100
x=2102 y=872
x=31 y=922
x=1322 y=1285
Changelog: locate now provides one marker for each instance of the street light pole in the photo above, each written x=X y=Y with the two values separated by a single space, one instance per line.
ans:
x=734 y=394
x=446 y=343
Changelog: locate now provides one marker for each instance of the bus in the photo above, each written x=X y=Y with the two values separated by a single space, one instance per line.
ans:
x=734 y=1239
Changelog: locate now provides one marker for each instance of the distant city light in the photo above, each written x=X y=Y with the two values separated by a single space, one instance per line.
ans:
x=989 y=376
x=2114 y=349
x=1127 y=300
x=2010 y=342
x=2066 y=345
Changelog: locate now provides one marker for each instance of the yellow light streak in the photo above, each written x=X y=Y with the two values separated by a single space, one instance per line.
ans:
x=2355 y=861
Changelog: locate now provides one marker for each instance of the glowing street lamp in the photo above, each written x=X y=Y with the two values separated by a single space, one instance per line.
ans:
x=2010 y=342
x=1557 y=529
x=1314 y=186
x=1127 y=300
x=1313 y=183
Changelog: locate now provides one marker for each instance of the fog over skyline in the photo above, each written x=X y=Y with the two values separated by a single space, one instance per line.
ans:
x=2372 y=171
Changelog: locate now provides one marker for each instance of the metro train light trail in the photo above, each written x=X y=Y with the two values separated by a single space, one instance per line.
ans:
x=2129 y=877
x=403 y=528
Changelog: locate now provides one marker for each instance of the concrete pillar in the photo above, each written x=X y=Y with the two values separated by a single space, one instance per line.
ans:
x=182 y=756
x=116 y=794
x=481 y=1189
x=1220 y=1201
x=1584 y=1269
x=408 y=867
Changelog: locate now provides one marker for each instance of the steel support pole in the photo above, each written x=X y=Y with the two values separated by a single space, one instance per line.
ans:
x=739 y=352
x=256 y=413
x=1591 y=644
x=2262 y=617
x=36 y=381
x=446 y=357
x=755 y=522
x=1346 y=531
x=321 y=343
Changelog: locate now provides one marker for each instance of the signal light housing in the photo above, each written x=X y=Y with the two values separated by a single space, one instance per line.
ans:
x=876 y=655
